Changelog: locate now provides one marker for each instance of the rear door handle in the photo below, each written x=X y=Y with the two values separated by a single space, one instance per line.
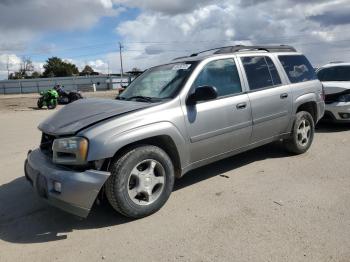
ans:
x=283 y=96
x=241 y=105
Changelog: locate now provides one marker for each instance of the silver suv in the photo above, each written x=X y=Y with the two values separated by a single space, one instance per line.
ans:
x=173 y=118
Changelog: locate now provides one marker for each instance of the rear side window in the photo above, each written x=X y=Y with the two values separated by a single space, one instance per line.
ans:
x=261 y=72
x=223 y=75
x=298 y=68
x=336 y=73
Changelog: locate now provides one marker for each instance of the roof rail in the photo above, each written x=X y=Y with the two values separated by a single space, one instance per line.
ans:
x=237 y=48
x=181 y=57
x=196 y=54
x=271 y=49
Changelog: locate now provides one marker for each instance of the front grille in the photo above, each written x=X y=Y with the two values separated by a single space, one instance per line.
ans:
x=46 y=144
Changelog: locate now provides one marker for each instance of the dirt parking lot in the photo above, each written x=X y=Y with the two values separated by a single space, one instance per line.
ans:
x=263 y=205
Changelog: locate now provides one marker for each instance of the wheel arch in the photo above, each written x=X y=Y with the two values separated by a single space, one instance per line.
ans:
x=307 y=102
x=310 y=107
x=165 y=142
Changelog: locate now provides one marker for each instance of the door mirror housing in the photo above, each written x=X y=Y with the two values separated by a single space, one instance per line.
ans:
x=202 y=93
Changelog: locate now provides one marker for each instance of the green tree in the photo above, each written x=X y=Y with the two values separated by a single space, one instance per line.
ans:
x=35 y=74
x=56 y=67
x=16 y=75
x=87 y=70
x=26 y=67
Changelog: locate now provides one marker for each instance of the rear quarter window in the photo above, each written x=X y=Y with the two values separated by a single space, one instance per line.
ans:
x=298 y=68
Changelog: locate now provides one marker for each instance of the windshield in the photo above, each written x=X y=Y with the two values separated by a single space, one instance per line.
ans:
x=336 y=73
x=158 y=83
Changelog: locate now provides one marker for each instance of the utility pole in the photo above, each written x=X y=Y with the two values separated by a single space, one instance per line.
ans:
x=8 y=67
x=109 y=77
x=121 y=63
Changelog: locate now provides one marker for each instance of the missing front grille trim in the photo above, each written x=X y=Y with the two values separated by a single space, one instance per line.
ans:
x=46 y=144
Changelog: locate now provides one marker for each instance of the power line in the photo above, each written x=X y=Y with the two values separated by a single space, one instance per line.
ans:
x=168 y=50
x=172 y=50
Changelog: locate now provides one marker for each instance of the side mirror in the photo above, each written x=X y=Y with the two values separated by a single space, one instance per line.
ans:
x=202 y=93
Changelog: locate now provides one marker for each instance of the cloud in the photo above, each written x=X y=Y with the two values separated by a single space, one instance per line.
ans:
x=53 y=15
x=22 y=21
x=158 y=35
x=333 y=17
x=165 y=29
x=167 y=7
x=99 y=65
x=247 y=3
x=10 y=61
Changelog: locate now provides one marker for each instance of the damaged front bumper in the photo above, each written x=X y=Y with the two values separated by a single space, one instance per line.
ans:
x=338 y=111
x=70 y=190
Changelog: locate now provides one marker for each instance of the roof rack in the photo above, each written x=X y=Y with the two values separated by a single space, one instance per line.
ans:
x=237 y=48
x=271 y=49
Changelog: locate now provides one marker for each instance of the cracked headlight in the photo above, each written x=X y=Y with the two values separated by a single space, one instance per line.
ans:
x=344 y=98
x=70 y=151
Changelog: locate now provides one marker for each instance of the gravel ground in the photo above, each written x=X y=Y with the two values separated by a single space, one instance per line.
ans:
x=263 y=205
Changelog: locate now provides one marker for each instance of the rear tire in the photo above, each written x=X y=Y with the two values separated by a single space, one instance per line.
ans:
x=302 y=134
x=40 y=103
x=141 y=181
x=74 y=97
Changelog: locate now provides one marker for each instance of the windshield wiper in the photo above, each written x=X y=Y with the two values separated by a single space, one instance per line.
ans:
x=144 y=98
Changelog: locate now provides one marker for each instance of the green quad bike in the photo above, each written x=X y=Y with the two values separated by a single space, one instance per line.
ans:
x=48 y=99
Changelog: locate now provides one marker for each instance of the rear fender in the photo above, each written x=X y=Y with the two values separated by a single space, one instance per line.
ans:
x=310 y=97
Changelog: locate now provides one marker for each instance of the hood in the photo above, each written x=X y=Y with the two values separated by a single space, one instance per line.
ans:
x=85 y=112
x=334 y=87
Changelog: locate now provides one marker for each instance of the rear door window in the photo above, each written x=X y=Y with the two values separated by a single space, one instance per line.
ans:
x=261 y=72
x=298 y=68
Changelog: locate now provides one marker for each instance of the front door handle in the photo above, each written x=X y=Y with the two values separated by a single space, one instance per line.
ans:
x=241 y=105
x=283 y=96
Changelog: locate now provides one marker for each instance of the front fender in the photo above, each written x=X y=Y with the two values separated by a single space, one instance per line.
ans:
x=108 y=146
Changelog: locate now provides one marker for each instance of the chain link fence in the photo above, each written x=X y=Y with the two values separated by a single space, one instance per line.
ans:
x=78 y=83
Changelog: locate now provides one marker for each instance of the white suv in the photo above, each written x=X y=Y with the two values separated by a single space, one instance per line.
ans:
x=336 y=81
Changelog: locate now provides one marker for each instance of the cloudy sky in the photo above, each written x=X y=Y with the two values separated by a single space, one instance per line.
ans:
x=155 y=31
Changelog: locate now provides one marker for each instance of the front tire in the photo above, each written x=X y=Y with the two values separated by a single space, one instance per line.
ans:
x=141 y=181
x=302 y=135
x=52 y=104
